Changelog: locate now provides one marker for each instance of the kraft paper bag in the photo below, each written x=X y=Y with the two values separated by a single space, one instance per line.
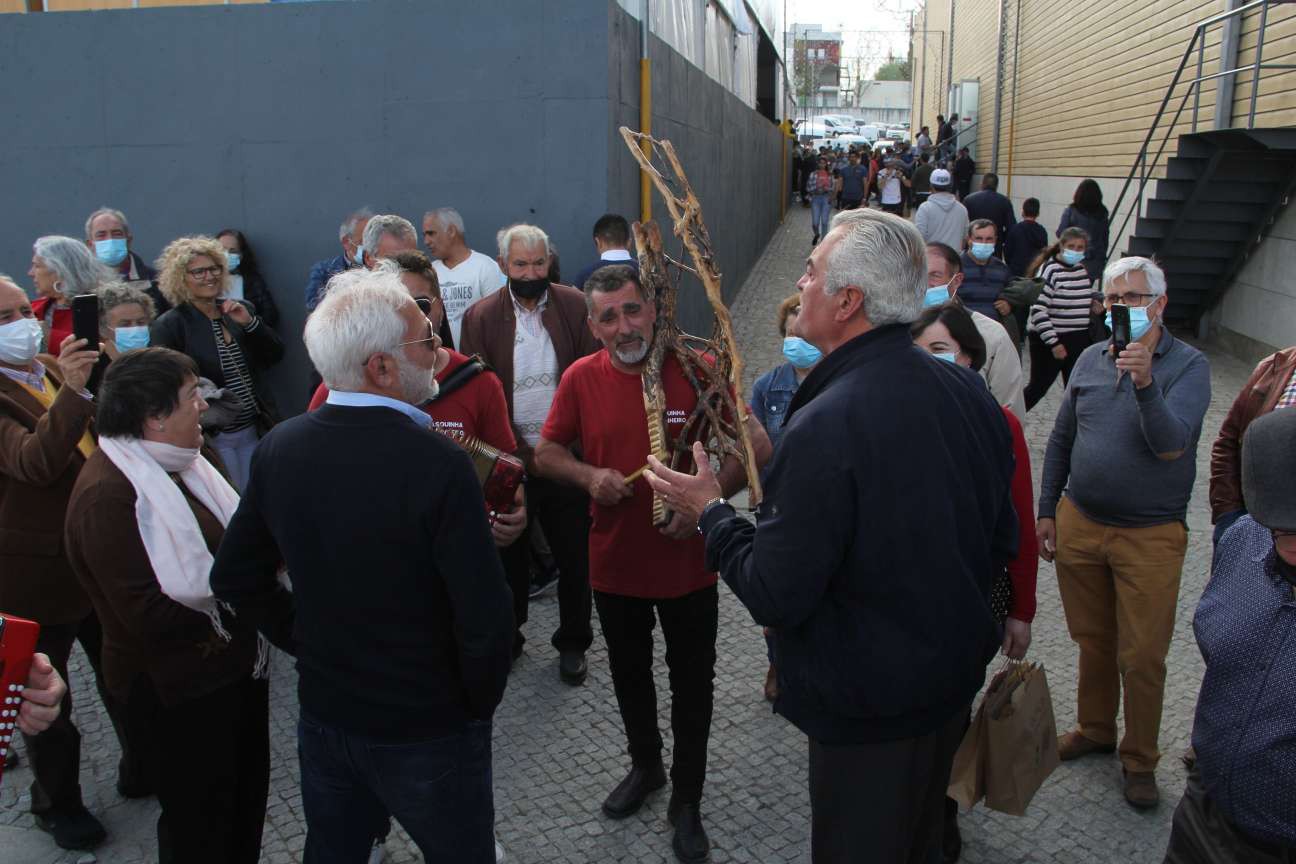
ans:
x=1020 y=739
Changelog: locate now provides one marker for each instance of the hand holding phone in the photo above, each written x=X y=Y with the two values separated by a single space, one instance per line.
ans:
x=1120 y=328
x=85 y=319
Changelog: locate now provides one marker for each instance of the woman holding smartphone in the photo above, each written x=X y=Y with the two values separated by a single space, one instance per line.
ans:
x=229 y=341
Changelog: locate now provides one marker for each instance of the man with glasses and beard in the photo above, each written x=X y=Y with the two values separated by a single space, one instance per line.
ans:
x=400 y=619
x=638 y=571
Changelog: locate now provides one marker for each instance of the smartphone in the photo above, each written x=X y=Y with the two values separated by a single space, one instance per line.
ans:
x=1120 y=328
x=85 y=320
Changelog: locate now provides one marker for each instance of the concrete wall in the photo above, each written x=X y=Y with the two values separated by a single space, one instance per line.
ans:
x=280 y=119
x=730 y=153
x=1258 y=313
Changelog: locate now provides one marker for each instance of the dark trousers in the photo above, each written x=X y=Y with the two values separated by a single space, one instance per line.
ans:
x=882 y=802
x=439 y=790
x=56 y=753
x=689 y=625
x=1201 y=834
x=563 y=513
x=209 y=759
x=516 y=561
x=1045 y=367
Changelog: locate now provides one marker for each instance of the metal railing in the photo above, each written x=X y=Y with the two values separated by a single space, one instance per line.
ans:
x=1143 y=168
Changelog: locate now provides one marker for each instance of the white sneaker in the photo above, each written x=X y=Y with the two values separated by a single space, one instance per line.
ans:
x=377 y=854
x=499 y=853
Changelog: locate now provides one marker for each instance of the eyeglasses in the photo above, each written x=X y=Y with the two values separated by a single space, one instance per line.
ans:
x=425 y=304
x=206 y=272
x=431 y=337
x=1129 y=298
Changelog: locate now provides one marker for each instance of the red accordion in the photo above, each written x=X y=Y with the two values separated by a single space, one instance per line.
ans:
x=500 y=473
x=17 y=645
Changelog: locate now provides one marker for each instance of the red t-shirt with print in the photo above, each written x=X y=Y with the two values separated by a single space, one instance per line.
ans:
x=477 y=408
x=602 y=409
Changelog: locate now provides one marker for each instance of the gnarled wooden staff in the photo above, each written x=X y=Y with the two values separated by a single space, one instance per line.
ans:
x=713 y=366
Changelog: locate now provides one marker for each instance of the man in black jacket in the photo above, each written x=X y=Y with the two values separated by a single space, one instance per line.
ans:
x=886 y=516
x=990 y=204
x=402 y=623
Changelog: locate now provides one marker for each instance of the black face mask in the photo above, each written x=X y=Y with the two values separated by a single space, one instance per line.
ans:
x=529 y=289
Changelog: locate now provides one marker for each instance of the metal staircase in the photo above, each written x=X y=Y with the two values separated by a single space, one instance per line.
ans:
x=1219 y=194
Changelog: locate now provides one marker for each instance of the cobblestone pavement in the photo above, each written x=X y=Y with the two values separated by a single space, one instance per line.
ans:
x=559 y=750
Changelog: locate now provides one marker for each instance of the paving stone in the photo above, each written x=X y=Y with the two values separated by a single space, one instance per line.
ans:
x=559 y=750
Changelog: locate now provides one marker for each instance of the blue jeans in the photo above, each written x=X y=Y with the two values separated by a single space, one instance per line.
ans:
x=820 y=213
x=438 y=789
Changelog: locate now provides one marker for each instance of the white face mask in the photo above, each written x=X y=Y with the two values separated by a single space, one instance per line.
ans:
x=170 y=457
x=20 y=340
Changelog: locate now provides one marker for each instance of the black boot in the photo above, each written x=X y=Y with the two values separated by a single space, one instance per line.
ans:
x=691 y=843
x=815 y=240
x=630 y=793
x=74 y=829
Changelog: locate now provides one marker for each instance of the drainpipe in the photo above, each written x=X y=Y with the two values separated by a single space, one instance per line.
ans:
x=1012 y=127
x=922 y=76
x=645 y=112
x=999 y=84
x=1228 y=60
x=950 y=83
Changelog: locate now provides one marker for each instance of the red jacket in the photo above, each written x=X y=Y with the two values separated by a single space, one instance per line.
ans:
x=57 y=318
x=1022 y=569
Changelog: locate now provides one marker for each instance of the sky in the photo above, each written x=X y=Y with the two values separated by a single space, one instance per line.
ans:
x=869 y=28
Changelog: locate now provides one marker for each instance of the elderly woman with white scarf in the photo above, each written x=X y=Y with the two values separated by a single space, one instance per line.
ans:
x=145 y=518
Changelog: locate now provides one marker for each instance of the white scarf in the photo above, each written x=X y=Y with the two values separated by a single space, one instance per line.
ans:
x=172 y=538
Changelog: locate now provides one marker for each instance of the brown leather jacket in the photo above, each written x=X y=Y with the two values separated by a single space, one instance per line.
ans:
x=1258 y=397
x=489 y=326
x=39 y=463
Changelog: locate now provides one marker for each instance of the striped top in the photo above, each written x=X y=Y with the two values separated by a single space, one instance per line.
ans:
x=1063 y=305
x=238 y=378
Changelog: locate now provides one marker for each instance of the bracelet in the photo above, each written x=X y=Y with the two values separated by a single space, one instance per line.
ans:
x=716 y=501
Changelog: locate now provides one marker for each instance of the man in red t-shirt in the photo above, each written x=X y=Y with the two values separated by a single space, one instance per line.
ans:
x=637 y=570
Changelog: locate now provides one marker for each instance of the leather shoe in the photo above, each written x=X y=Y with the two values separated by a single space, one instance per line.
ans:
x=1141 y=789
x=1073 y=745
x=74 y=830
x=691 y=843
x=572 y=667
x=630 y=793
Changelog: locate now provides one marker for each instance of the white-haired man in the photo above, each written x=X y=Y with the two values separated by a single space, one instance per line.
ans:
x=1118 y=473
x=465 y=276
x=851 y=586
x=385 y=237
x=530 y=334
x=402 y=622
x=351 y=236
x=108 y=234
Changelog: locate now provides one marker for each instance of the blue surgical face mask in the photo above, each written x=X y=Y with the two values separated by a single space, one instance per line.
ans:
x=936 y=296
x=1139 y=321
x=358 y=260
x=982 y=251
x=130 y=338
x=111 y=251
x=1071 y=257
x=801 y=353
x=235 y=259
x=948 y=358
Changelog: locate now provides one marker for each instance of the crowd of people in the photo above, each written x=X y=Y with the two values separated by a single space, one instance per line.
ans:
x=161 y=511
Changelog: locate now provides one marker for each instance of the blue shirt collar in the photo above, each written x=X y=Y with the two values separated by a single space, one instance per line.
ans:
x=34 y=379
x=350 y=399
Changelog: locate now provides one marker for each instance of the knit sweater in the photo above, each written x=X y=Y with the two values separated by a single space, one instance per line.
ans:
x=1063 y=305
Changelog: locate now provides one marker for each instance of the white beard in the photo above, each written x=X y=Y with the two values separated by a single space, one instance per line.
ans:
x=632 y=357
x=418 y=385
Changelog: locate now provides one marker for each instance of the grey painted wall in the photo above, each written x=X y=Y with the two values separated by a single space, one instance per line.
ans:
x=281 y=119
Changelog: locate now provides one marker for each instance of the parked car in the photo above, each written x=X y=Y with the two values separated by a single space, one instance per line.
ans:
x=897 y=133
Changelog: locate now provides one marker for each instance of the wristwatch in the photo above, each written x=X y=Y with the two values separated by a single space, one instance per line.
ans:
x=706 y=508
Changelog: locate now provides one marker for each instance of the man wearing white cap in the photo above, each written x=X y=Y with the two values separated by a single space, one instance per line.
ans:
x=941 y=218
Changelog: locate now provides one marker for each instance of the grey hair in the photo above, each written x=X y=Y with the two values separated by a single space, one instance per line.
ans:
x=978 y=224
x=1122 y=267
x=73 y=263
x=388 y=226
x=528 y=235
x=108 y=211
x=885 y=258
x=347 y=228
x=446 y=217
x=358 y=318
x=114 y=294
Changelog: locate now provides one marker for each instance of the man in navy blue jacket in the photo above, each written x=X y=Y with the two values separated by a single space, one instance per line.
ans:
x=401 y=620
x=886 y=517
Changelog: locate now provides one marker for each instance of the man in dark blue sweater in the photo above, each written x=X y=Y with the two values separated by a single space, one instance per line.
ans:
x=876 y=592
x=402 y=623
